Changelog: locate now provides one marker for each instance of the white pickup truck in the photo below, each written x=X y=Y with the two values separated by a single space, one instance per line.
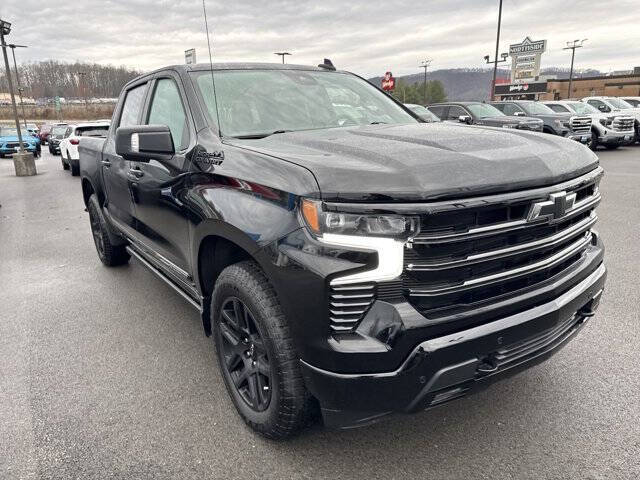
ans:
x=617 y=106
x=607 y=129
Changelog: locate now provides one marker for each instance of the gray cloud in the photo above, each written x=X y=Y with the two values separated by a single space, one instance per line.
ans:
x=368 y=37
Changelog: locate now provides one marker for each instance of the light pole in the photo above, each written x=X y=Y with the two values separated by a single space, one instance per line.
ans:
x=83 y=76
x=572 y=46
x=503 y=58
x=425 y=64
x=13 y=47
x=23 y=163
x=495 y=65
x=282 y=54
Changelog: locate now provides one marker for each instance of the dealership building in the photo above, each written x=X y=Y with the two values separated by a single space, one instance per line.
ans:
x=526 y=82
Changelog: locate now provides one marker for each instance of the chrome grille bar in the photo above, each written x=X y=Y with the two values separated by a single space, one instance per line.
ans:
x=551 y=261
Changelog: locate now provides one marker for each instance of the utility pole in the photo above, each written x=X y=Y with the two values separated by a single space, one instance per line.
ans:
x=13 y=47
x=83 y=76
x=572 y=46
x=495 y=65
x=282 y=54
x=425 y=64
x=23 y=162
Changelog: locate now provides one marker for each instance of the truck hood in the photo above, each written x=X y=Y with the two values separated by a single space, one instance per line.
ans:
x=425 y=161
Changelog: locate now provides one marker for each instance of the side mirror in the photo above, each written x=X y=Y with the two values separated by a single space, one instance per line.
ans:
x=518 y=114
x=464 y=119
x=143 y=143
x=604 y=108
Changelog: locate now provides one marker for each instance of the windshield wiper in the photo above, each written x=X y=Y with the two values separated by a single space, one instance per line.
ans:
x=253 y=136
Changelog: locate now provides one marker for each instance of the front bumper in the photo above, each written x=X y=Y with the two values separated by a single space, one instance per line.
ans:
x=579 y=137
x=11 y=151
x=617 y=138
x=447 y=367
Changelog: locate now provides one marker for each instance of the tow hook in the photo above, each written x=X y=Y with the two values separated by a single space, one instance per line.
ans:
x=589 y=308
x=487 y=366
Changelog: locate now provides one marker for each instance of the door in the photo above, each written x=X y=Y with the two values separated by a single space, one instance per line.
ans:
x=115 y=169
x=161 y=219
x=455 y=112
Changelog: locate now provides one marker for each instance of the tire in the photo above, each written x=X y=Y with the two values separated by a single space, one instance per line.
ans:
x=594 y=142
x=109 y=254
x=267 y=340
x=75 y=169
x=612 y=147
x=64 y=165
x=50 y=149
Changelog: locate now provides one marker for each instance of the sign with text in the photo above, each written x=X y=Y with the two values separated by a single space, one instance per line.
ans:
x=190 y=56
x=388 y=82
x=525 y=59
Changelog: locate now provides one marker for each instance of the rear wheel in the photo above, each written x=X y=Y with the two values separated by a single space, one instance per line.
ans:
x=594 y=141
x=64 y=164
x=75 y=168
x=255 y=353
x=612 y=147
x=111 y=255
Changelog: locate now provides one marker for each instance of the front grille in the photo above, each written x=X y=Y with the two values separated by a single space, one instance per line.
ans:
x=16 y=144
x=581 y=124
x=348 y=304
x=467 y=256
x=623 y=124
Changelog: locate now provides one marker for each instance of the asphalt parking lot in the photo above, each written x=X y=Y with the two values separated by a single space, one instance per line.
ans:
x=105 y=373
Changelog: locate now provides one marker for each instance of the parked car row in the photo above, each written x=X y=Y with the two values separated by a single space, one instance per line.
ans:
x=593 y=121
x=9 y=141
x=66 y=143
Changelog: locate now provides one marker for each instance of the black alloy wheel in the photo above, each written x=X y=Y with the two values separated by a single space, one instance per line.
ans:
x=96 y=231
x=245 y=356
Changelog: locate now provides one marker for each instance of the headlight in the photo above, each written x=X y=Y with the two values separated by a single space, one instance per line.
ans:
x=508 y=125
x=606 y=122
x=321 y=222
x=563 y=123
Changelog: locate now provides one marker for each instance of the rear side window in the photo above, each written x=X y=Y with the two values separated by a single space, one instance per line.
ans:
x=167 y=109
x=558 y=108
x=455 y=112
x=510 y=108
x=94 y=131
x=132 y=106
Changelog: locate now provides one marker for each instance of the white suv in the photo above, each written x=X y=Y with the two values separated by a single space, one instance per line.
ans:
x=69 y=144
x=607 y=129
x=615 y=105
x=633 y=101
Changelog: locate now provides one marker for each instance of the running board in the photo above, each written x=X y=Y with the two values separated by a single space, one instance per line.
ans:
x=164 y=278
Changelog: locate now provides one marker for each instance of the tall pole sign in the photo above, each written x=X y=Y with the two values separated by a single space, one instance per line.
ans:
x=525 y=60
x=190 y=56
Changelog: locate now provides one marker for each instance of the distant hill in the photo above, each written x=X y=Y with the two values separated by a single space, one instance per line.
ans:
x=475 y=83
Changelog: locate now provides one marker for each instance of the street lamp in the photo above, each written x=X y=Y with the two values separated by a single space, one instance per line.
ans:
x=23 y=163
x=572 y=46
x=13 y=47
x=425 y=64
x=83 y=76
x=504 y=57
x=282 y=54
x=487 y=58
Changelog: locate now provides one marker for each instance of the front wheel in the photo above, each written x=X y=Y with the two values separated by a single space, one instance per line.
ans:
x=593 y=142
x=64 y=165
x=111 y=255
x=255 y=353
x=612 y=147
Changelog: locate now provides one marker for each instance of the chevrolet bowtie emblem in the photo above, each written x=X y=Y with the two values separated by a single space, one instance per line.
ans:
x=553 y=209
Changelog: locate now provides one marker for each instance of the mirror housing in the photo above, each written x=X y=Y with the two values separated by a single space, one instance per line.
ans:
x=143 y=143
x=465 y=119
x=604 y=108
x=518 y=114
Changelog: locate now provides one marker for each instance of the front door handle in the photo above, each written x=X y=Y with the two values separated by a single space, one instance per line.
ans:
x=106 y=163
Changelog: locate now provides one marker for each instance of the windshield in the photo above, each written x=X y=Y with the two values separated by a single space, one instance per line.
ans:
x=8 y=132
x=535 y=108
x=257 y=103
x=617 y=103
x=423 y=112
x=633 y=102
x=58 y=130
x=582 y=108
x=484 y=110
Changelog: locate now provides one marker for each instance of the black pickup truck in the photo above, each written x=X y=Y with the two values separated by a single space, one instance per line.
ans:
x=347 y=258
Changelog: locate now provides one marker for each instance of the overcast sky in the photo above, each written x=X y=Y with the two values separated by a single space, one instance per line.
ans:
x=368 y=37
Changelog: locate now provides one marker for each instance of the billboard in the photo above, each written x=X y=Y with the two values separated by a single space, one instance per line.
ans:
x=190 y=56
x=525 y=59
x=388 y=82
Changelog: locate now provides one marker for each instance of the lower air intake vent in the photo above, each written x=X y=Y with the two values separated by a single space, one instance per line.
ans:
x=348 y=304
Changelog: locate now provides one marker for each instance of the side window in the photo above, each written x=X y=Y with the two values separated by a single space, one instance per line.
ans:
x=68 y=132
x=499 y=106
x=558 y=108
x=455 y=111
x=132 y=106
x=167 y=109
x=437 y=109
x=599 y=105
x=511 y=109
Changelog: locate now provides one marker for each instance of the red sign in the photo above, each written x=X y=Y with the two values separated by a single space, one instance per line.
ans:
x=388 y=82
